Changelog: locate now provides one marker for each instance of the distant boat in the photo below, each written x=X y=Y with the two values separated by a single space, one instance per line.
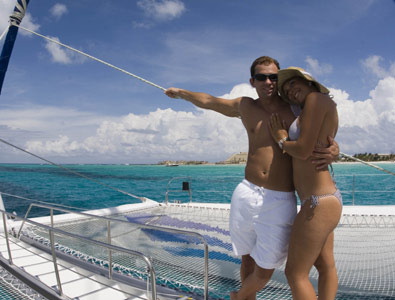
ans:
x=171 y=165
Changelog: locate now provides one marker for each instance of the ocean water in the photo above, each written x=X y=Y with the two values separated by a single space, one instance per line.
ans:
x=358 y=183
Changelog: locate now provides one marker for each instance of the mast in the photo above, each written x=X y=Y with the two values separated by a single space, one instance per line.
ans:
x=15 y=19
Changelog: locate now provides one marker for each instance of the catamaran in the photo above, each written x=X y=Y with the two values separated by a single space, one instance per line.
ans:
x=169 y=250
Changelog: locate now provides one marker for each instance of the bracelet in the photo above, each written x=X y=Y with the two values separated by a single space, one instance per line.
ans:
x=281 y=142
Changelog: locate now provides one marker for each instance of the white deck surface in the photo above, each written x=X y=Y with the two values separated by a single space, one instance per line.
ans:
x=76 y=282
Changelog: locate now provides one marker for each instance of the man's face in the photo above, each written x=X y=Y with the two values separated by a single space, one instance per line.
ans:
x=266 y=86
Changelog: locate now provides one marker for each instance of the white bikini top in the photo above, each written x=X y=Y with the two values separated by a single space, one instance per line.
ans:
x=294 y=130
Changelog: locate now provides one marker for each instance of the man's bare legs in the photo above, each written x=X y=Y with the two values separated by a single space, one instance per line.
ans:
x=246 y=268
x=253 y=284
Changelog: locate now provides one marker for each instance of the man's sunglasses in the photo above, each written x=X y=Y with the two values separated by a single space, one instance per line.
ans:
x=264 y=77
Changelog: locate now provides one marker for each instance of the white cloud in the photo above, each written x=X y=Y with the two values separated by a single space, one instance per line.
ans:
x=29 y=23
x=240 y=90
x=354 y=113
x=62 y=55
x=6 y=9
x=162 y=10
x=58 y=10
x=159 y=135
x=316 y=68
x=372 y=65
x=49 y=120
x=68 y=135
x=383 y=98
x=142 y=25
x=58 y=54
x=61 y=146
x=367 y=126
x=42 y=125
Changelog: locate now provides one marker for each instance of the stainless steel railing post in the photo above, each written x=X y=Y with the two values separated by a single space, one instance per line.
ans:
x=6 y=238
x=153 y=283
x=24 y=219
x=153 y=278
x=109 y=250
x=52 y=240
x=51 y=212
x=205 y=271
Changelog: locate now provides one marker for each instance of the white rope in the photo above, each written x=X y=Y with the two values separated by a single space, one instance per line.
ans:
x=17 y=16
x=142 y=199
x=92 y=57
x=366 y=163
x=4 y=33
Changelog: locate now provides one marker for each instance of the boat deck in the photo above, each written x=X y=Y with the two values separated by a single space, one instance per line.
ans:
x=364 y=243
x=77 y=283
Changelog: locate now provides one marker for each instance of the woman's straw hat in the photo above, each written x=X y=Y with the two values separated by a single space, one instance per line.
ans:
x=285 y=74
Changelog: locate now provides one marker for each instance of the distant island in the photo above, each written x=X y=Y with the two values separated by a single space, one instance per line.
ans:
x=241 y=158
x=182 y=162
x=370 y=157
x=238 y=158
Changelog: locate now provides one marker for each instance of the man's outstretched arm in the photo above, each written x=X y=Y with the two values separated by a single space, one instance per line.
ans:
x=226 y=107
x=322 y=157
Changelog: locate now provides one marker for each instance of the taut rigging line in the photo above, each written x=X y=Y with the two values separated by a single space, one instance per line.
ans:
x=142 y=199
x=92 y=57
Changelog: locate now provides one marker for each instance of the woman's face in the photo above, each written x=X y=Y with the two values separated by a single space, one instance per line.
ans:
x=296 y=90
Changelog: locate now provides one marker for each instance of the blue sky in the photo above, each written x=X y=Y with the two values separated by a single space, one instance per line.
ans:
x=73 y=110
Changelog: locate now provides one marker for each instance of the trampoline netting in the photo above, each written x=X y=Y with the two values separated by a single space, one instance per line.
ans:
x=364 y=251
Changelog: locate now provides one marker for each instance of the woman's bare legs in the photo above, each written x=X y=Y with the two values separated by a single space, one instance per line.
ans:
x=325 y=264
x=309 y=235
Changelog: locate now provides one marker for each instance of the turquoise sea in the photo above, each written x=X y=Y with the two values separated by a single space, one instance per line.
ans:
x=209 y=183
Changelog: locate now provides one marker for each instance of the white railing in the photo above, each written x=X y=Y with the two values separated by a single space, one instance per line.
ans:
x=51 y=230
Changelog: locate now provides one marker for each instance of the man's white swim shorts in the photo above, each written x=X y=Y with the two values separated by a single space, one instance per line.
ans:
x=273 y=228
x=246 y=204
x=260 y=223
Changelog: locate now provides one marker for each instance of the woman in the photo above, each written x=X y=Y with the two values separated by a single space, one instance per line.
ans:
x=312 y=236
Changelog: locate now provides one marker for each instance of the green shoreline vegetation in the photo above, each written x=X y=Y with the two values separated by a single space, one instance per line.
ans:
x=182 y=162
x=241 y=158
x=371 y=157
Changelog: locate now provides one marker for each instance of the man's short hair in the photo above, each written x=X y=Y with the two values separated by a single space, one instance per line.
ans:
x=263 y=60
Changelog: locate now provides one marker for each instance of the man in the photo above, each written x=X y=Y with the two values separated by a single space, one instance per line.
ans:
x=264 y=204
